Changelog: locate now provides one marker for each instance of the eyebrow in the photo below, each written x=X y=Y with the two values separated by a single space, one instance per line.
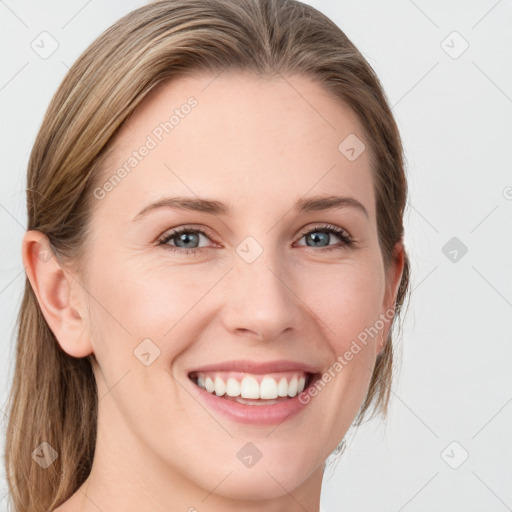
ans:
x=311 y=204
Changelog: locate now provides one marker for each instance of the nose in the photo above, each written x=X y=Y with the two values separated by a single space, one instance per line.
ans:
x=260 y=300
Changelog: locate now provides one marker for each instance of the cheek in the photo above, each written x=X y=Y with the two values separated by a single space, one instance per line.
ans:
x=346 y=297
x=136 y=301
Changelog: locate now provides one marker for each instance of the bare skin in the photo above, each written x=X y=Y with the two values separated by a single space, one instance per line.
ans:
x=257 y=146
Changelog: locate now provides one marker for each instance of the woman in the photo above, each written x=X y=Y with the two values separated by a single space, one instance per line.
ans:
x=215 y=262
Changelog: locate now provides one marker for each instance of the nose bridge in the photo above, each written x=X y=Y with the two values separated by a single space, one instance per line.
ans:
x=259 y=299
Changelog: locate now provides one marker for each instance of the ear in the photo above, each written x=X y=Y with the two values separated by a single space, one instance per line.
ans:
x=60 y=299
x=394 y=277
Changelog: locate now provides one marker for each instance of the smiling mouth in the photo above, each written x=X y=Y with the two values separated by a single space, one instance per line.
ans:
x=253 y=389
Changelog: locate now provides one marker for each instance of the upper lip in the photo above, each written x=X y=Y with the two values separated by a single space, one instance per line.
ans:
x=261 y=367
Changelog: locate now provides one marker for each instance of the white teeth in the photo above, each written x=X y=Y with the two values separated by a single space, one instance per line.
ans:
x=232 y=387
x=282 y=388
x=268 y=389
x=250 y=388
x=209 y=385
x=220 y=386
x=292 y=387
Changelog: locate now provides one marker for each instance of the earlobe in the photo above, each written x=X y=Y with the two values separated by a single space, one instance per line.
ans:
x=54 y=289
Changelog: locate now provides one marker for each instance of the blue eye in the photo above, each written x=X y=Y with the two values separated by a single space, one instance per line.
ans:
x=183 y=237
x=328 y=230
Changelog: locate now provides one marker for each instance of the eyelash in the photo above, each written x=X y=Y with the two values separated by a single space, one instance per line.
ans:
x=346 y=239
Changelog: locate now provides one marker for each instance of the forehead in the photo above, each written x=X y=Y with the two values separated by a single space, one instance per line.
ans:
x=240 y=139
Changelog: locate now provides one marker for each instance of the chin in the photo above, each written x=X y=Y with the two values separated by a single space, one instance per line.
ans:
x=281 y=467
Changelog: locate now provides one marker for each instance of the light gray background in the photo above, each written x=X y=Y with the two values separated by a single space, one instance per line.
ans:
x=454 y=112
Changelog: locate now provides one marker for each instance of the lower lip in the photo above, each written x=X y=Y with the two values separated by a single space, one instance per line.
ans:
x=252 y=414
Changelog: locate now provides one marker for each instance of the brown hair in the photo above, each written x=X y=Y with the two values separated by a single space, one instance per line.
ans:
x=53 y=397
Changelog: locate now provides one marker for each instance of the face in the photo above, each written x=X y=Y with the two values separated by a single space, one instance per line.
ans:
x=257 y=292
